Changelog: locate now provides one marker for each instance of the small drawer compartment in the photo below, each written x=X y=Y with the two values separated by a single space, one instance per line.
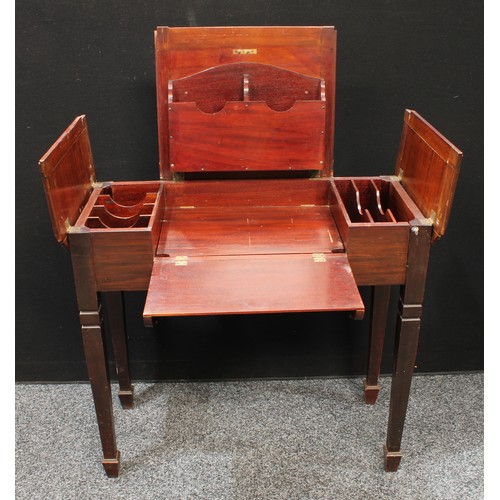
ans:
x=372 y=200
x=373 y=215
x=123 y=220
x=122 y=209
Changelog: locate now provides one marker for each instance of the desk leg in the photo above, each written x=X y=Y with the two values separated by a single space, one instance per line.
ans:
x=378 y=322
x=97 y=367
x=406 y=342
x=94 y=345
x=114 y=303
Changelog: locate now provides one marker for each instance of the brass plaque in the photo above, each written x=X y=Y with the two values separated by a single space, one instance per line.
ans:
x=244 y=51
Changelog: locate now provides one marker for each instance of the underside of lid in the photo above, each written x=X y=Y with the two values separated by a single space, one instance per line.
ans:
x=428 y=166
x=68 y=174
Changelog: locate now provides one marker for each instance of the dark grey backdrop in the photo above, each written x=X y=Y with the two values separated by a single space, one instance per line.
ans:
x=97 y=58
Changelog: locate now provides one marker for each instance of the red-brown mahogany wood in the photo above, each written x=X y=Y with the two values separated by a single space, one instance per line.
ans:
x=94 y=345
x=428 y=165
x=181 y=52
x=406 y=339
x=378 y=322
x=67 y=170
x=377 y=251
x=123 y=256
x=248 y=82
x=249 y=230
x=116 y=320
x=251 y=284
x=246 y=136
x=259 y=101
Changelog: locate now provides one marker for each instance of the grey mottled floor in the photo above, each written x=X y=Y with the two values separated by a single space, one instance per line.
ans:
x=309 y=439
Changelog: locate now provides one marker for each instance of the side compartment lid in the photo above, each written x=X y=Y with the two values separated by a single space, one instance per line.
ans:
x=68 y=174
x=428 y=166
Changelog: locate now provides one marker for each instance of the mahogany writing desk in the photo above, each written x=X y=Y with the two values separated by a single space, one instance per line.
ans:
x=247 y=217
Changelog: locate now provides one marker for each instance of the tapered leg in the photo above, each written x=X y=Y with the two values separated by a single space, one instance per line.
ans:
x=406 y=342
x=94 y=344
x=97 y=367
x=405 y=353
x=114 y=303
x=378 y=323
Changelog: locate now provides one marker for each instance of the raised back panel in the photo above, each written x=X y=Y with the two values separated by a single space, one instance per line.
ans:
x=68 y=173
x=183 y=52
x=428 y=166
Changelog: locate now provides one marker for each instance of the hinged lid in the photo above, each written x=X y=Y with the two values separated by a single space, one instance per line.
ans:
x=428 y=166
x=251 y=284
x=276 y=85
x=68 y=174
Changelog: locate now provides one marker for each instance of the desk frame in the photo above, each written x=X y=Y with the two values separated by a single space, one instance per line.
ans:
x=406 y=343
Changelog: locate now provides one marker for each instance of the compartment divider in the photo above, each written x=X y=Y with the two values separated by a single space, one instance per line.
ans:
x=113 y=214
x=377 y=196
x=94 y=222
x=357 y=196
x=368 y=216
x=134 y=207
x=382 y=199
x=390 y=215
x=112 y=220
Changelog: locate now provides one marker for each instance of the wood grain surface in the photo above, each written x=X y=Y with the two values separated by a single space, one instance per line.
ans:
x=249 y=230
x=252 y=284
x=67 y=170
x=180 y=52
x=429 y=165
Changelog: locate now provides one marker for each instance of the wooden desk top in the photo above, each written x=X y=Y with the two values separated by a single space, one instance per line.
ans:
x=249 y=230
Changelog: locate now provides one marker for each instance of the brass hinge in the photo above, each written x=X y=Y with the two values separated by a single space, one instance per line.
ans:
x=319 y=257
x=181 y=260
x=432 y=217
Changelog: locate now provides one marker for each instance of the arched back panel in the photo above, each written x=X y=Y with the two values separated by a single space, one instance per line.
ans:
x=253 y=124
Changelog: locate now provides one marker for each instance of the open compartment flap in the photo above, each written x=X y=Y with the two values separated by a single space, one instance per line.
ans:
x=68 y=174
x=188 y=286
x=428 y=166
